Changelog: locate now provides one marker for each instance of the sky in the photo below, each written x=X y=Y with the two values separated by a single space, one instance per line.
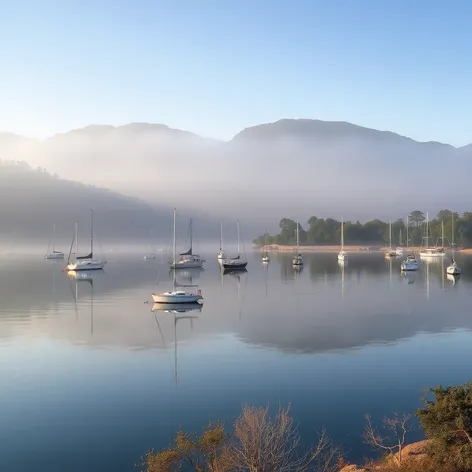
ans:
x=214 y=67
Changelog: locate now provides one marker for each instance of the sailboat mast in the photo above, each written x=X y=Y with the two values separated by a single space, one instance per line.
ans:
x=297 y=236
x=174 y=248
x=265 y=241
x=342 y=233
x=390 y=233
x=427 y=229
x=76 y=239
x=452 y=231
x=191 y=231
x=221 y=235
x=407 y=236
x=91 y=233
x=442 y=233
x=239 y=250
x=53 y=235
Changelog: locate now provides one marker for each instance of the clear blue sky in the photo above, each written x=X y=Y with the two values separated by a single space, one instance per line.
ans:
x=216 y=66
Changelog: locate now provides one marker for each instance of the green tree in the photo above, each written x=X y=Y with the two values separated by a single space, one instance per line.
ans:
x=447 y=421
x=444 y=215
x=417 y=217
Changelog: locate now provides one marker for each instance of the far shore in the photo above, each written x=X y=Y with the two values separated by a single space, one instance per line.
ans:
x=347 y=248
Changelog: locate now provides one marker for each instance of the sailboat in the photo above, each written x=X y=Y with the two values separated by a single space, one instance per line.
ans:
x=429 y=252
x=342 y=256
x=410 y=264
x=265 y=257
x=390 y=252
x=85 y=262
x=236 y=262
x=175 y=295
x=399 y=250
x=54 y=254
x=221 y=253
x=152 y=254
x=453 y=268
x=297 y=260
x=188 y=260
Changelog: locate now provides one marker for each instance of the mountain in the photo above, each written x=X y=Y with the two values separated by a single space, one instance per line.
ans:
x=324 y=131
x=32 y=200
x=290 y=168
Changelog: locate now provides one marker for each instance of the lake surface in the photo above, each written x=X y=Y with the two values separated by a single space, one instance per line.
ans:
x=91 y=377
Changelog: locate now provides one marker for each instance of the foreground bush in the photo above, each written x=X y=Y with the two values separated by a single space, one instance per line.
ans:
x=447 y=421
x=259 y=443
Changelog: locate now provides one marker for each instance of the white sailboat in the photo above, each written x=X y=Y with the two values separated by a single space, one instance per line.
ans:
x=221 y=253
x=297 y=260
x=53 y=254
x=390 y=251
x=399 y=250
x=265 y=256
x=410 y=264
x=453 y=268
x=188 y=260
x=175 y=295
x=236 y=262
x=86 y=262
x=342 y=256
x=431 y=252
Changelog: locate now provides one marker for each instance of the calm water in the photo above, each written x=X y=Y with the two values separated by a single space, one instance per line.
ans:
x=91 y=377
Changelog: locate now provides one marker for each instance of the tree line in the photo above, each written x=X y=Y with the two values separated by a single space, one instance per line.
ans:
x=327 y=231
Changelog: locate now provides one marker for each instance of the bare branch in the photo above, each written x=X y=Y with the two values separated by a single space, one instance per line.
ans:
x=265 y=444
x=398 y=427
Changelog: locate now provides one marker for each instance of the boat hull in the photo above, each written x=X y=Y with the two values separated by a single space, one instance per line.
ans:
x=86 y=265
x=176 y=299
x=409 y=266
x=453 y=270
x=235 y=265
x=54 y=256
x=432 y=254
x=187 y=265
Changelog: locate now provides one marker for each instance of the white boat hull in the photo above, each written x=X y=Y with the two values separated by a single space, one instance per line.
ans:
x=54 y=256
x=431 y=255
x=86 y=264
x=453 y=270
x=176 y=297
x=150 y=257
x=187 y=265
x=342 y=256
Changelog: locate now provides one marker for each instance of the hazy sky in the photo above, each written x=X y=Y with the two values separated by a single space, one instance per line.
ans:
x=217 y=66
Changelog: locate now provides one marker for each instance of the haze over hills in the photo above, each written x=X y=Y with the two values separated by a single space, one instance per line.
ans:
x=293 y=168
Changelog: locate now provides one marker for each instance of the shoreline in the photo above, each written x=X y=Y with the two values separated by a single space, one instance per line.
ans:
x=348 y=248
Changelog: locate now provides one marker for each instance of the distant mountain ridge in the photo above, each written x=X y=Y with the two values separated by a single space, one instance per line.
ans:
x=319 y=129
x=297 y=167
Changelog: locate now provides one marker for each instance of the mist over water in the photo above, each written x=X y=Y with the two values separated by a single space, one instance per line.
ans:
x=291 y=168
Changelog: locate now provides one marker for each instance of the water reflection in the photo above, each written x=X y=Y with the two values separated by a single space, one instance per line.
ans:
x=179 y=312
x=78 y=348
x=369 y=292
